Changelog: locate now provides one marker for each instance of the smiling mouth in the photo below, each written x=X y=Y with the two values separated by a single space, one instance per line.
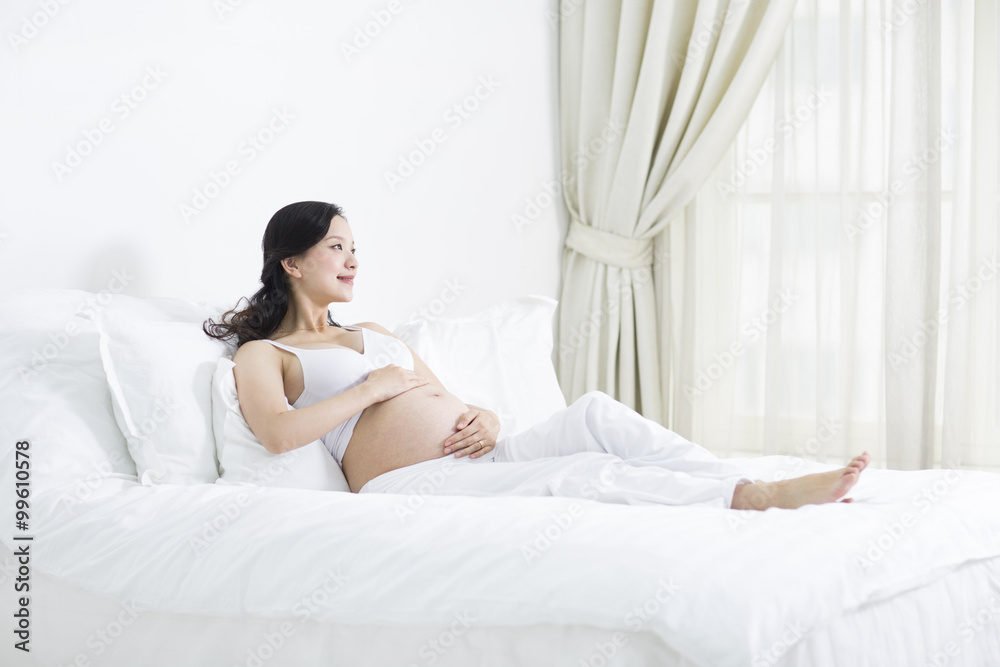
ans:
x=349 y=281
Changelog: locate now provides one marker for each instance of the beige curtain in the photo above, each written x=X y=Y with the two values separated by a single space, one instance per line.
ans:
x=838 y=276
x=652 y=93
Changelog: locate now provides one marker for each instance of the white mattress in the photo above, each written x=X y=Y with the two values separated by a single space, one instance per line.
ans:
x=920 y=624
x=752 y=588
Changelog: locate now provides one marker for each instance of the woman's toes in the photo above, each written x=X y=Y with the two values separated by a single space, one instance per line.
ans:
x=860 y=462
x=848 y=480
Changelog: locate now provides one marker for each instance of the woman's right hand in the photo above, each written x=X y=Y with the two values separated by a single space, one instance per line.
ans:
x=392 y=380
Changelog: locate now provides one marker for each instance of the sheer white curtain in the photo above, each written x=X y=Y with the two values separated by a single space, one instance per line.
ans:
x=834 y=286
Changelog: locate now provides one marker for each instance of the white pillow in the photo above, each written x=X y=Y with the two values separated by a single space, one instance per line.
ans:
x=243 y=460
x=500 y=359
x=159 y=366
x=55 y=396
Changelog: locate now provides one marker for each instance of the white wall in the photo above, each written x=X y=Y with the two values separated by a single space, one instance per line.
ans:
x=222 y=71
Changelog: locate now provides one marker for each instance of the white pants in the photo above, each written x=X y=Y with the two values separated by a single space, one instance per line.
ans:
x=595 y=448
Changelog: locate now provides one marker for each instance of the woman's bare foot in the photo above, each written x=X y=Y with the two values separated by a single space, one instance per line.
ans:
x=821 y=487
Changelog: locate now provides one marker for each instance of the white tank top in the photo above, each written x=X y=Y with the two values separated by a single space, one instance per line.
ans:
x=330 y=371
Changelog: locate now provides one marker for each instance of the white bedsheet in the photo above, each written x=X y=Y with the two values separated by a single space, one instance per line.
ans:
x=719 y=587
x=948 y=622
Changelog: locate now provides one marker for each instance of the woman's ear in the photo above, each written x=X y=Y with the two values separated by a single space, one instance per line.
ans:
x=291 y=266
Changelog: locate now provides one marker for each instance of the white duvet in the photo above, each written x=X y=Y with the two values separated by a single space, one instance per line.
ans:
x=721 y=587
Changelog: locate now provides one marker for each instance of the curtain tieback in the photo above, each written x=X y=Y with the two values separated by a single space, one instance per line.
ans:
x=609 y=248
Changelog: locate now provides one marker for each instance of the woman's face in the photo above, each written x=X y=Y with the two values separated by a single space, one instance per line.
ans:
x=326 y=264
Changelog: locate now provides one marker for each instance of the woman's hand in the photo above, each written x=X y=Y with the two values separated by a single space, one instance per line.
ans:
x=476 y=433
x=392 y=380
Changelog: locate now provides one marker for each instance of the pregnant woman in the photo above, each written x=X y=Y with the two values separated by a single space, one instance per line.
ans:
x=394 y=428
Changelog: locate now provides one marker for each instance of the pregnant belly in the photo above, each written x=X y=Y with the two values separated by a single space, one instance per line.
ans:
x=405 y=429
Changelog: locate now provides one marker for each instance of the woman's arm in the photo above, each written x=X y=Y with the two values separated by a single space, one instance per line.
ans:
x=419 y=367
x=260 y=390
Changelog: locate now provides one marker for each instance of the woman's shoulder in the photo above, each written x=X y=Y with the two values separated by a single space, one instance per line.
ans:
x=374 y=327
x=255 y=349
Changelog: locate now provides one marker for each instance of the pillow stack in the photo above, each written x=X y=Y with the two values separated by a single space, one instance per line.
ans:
x=173 y=392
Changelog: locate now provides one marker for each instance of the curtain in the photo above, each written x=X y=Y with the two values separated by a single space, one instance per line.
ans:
x=834 y=284
x=652 y=93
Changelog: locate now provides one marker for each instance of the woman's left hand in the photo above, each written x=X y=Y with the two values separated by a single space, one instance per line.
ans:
x=476 y=435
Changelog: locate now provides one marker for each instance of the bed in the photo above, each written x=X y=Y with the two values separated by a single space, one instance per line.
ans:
x=161 y=533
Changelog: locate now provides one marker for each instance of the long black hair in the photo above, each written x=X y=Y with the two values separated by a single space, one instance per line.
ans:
x=291 y=231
